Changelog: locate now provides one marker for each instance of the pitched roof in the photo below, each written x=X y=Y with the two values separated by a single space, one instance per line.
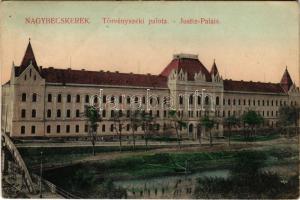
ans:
x=28 y=59
x=246 y=86
x=286 y=80
x=188 y=65
x=63 y=76
x=214 y=70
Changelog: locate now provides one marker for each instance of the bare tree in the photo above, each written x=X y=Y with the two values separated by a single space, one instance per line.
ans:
x=118 y=124
x=177 y=123
x=93 y=117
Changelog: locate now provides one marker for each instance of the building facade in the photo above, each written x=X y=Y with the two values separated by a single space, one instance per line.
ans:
x=50 y=102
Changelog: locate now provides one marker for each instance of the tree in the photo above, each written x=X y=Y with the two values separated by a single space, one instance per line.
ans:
x=208 y=124
x=93 y=117
x=289 y=115
x=135 y=119
x=230 y=122
x=118 y=125
x=147 y=122
x=252 y=119
x=176 y=123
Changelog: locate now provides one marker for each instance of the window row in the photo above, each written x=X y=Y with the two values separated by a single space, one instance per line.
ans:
x=254 y=102
x=33 y=97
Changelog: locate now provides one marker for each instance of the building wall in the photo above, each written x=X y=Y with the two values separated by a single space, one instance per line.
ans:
x=46 y=121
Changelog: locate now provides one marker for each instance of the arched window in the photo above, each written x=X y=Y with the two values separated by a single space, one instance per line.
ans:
x=103 y=128
x=120 y=99
x=68 y=98
x=228 y=102
x=34 y=97
x=23 y=97
x=217 y=101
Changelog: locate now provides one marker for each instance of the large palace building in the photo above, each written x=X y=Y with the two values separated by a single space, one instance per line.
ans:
x=49 y=102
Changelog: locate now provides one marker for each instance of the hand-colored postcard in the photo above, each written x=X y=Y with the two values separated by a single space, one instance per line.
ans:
x=150 y=100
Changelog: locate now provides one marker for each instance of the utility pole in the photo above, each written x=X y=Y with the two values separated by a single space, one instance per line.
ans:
x=41 y=175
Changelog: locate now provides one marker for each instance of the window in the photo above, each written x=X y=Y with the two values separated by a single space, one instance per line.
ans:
x=23 y=97
x=191 y=99
x=25 y=77
x=128 y=127
x=48 y=129
x=58 y=129
x=150 y=113
x=23 y=113
x=30 y=71
x=199 y=100
x=59 y=98
x=95 y=99
x=77 y=98
x=128 y=113
x=33 y=113
x=34 y=97
x=112 y=113
x=68 y=98
x=112 y=99
x=77 y=113
x=49 y=97
x=103 y=127
x=87 y=98
x=128 y=100
x=144 y=100
x=223 y=102
x=249 y=102
x=86 y=128
x=239 y=102
x=258 y=102
x=58 y=113
x=228 y=102
x=217 y=101
x=77 y=128
x=180 y=100
x=157 y=113
x=267 y=102
x=48 y=113
x=68 y=113
x=120 y=99
x=120 y=113
x=67 y=128
x=22 y=130
x=104 y=99
x=103 y=113
x=263 y=102
x=111 y=127
x=32 y=129
x=206 y=100
x=228 y=113
x=244 y=102
x=234 y=102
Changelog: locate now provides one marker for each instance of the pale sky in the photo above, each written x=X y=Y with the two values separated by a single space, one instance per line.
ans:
x=253 y=41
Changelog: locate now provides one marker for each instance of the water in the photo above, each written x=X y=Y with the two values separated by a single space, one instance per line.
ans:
x=179 y=186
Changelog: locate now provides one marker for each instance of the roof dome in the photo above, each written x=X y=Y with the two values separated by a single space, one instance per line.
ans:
x=189 y=63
